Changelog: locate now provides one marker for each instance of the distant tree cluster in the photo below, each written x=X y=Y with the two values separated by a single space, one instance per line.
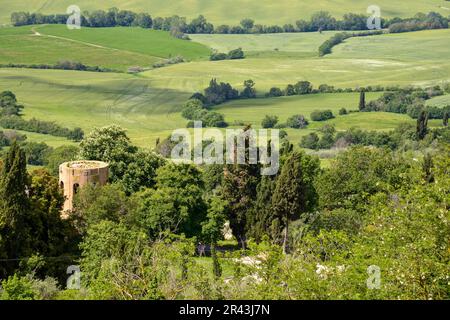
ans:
x=179 y=26
x=322 y=115
x=420 y=21
x=62 y=65
x=10 y=119
x=9 y=105
x=39 y=126
x=194 y=110
x=326 y=47
x=232 y=55
x=405 y=136
x=409 y=101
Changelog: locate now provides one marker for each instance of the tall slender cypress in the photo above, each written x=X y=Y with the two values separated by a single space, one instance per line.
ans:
x=14 y=206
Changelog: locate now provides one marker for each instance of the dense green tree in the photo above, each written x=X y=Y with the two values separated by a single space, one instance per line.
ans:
x=15 y=240
x=274 y=92
x=322 y=20
x=58 y=156
x=295 y=192
x=310 y=141
x=362 y=100
x=269 y=121
x=445 y=119
x=422 y=125
x=357 y=174
x=17 y=288
x=290 y=90
x=297 y=121
x=112 y=145
x=264 y=222
x=176 y=206
x=303 y=87
x=143 y=20
x=236 y=54
x=36 y=152
x=212 y=229
x=327 y=140
x=94 y=204
x=249 y=90
x=239 y=191
x=321 y=115
x=247 y=24
x=51 y=235
x=141 y=172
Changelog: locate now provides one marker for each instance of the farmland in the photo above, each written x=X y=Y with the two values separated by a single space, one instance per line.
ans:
x=230 y=12
x=148 y=104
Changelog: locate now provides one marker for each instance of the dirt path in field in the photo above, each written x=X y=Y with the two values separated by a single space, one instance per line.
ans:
x=36 y=33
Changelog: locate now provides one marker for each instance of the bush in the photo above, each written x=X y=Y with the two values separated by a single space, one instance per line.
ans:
x=321 y=115
x=269 y=121
x=218 y=56
x=236 y=54
x=44 y=127
x=343 y=111
x=297 y=121
x=274 y=92
x=310 y=141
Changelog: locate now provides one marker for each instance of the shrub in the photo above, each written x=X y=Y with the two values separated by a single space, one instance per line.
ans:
x=269 y=121
x=274 y=92
x=297 y=121
x=321 y=115
x=310 y=141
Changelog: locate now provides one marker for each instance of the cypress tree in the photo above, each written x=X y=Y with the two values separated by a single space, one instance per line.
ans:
x=362 y=100
x=263 y=222
x=239 y=190
x=294 y=192
x=422 y=125
x=14 y=207
x=445 y=119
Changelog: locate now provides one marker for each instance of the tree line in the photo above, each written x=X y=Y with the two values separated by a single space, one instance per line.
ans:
x=10 y=118
x=410 y=102
x=60 y=65
x=178 y=26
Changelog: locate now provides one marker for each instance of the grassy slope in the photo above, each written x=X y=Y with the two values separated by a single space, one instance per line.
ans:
x=116 y=48
x=148 y=104
x=231 y=11
x=137 y=40
x=88 y=99
x=267 y=45
x=253 y=111
x=440 y=102
x=357 y=62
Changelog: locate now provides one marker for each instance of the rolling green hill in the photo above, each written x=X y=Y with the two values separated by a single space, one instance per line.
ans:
x=148 y=104
x=114 y=48
x=231 y=11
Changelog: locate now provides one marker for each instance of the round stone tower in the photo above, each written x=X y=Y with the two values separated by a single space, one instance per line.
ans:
x=76 y=174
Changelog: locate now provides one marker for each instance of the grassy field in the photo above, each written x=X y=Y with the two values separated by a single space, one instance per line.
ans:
x=253 y=111
x=148 y=104
x=440 y=102
x=91 y=100
x=231 y=11
x=114 y=48
x=292 y=45
x=357 y=62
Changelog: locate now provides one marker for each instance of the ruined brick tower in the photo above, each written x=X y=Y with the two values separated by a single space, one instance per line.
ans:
x=76 y=174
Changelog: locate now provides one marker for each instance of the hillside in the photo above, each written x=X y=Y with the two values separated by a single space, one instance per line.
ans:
x=117 y=48
x=231 y=11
